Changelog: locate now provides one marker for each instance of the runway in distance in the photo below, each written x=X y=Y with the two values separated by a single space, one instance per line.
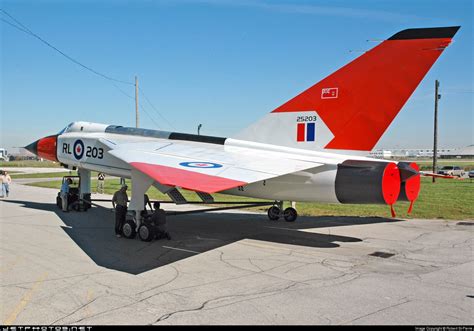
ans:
x=311 y=148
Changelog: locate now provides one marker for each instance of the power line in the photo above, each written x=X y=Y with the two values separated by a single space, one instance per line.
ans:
x=15 y=26
x=122 y=91
x=140 y=105
x=129 y=96
x=156 y=110
x=26 y=30
x=143 y=108
x=21 y=27
x=18 y=22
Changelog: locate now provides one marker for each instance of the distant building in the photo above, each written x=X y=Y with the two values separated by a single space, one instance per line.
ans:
x=408 y=153
x=381 y=154
x=20 y=153
x=460 y=153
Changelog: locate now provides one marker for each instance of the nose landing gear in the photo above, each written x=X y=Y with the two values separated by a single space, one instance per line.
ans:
x=146 y=232
x=129 y=229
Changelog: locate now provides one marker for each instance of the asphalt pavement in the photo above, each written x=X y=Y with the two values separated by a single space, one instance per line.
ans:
x=230 y=267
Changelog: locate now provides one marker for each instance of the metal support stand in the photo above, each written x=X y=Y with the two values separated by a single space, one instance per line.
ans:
x=140 y=184
x=279 y=204
x=84 y=188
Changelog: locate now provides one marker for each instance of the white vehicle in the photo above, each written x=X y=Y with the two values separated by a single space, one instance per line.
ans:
x=451 y=171
x=309 y=149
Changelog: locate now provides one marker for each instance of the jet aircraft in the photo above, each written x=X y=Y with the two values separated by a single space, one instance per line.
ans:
x=311 y=148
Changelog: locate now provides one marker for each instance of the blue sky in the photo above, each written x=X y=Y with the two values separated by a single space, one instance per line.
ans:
x=224 y=64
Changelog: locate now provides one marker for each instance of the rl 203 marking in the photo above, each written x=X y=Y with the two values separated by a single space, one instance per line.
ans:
x=95 y=152
x=202 y=165
x=79 y=148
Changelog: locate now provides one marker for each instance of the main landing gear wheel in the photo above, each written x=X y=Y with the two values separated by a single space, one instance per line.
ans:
x=274 y=213
x=146 y=232
x=128 y=229
x=290 y=214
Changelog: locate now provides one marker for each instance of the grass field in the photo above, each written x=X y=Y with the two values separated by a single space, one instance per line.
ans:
x=13 y=172
x=30 y=164
x=427 y=165
x=43 y=175
x=447 y=199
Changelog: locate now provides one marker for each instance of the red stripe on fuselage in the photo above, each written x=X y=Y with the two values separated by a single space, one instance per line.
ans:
x=190 y=180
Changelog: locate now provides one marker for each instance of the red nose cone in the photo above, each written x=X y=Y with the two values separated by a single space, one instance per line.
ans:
x=46 y=148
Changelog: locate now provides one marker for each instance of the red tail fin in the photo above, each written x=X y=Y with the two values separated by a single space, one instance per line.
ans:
x=359 y=101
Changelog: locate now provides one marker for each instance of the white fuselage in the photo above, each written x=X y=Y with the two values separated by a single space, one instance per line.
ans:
x=86 y=145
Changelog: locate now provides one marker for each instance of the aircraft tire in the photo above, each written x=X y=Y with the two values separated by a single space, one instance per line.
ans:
x=290 y=214
x=146 y=232
x=128 y=229
x=274 y=213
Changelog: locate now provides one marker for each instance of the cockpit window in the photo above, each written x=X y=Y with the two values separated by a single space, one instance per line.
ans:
x=66 y=129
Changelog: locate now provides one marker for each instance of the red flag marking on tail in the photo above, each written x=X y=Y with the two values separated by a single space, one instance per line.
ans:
x=329 y=93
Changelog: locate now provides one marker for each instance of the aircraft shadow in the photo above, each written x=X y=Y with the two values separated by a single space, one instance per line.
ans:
x=93 y=232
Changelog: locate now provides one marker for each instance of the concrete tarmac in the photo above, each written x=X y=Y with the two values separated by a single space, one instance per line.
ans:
x=230 y=268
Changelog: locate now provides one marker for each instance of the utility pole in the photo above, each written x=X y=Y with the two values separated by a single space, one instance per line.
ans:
x=435 y=143
x=199 y=129
x=136 y=101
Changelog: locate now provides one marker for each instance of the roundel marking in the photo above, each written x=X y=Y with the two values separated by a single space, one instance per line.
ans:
x=202 y=165
x=78 y=149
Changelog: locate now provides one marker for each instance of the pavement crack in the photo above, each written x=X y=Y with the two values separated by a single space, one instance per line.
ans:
x=419 y=236
x=255 y=265
x=378 y=311
x=75 y=311
x=175 y=276
x=207 y=302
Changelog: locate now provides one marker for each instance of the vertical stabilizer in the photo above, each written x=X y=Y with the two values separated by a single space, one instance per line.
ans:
x=350 y=109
